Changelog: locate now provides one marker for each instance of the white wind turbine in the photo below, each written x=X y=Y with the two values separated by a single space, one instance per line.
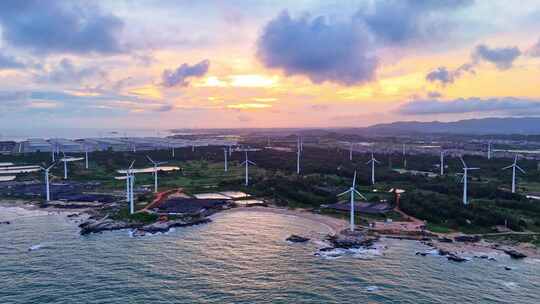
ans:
x=225 y=152
x=246 y=163
x=64 y=159
x=298 y=151
x=47 y=190
x=514 y=166
x=489 y=150
x=67 y=159
x=350 y=150
x=464 y=180
x=130 y=178
x=86 y=157
x=372 y=161
x=156 y=164
x=352 y=191
x=442 y=162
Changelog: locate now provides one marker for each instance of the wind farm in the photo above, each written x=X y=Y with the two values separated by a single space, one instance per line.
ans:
x=370 y=151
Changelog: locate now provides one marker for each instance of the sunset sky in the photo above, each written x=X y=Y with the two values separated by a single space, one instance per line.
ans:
x=239 y=63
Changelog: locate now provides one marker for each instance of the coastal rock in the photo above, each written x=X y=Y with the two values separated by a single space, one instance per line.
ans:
x=507 y=268
x=445 y=240
x=468 y=238
x=455 y=258
x=297 y=239
x=95 y=226
x=166 y=226
x=515 y=254
x=422 y=253
x=351 y=240
x=73 y=215
x=444 y=252
x=5 y=223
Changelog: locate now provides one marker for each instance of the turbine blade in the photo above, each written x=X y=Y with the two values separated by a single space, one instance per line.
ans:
x=473 y=168
x=519 y=168
x=252 y=163
x=148 y=157
x=343 y=193
x=360 y=194
x=131 y=165
x=354 y=180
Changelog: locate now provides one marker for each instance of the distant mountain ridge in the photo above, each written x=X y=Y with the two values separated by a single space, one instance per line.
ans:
x=510 y=125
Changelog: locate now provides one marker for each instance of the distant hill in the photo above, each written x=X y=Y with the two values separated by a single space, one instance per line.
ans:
x=524 y=125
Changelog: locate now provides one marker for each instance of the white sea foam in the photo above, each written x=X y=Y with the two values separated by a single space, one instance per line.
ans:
x=372 y=288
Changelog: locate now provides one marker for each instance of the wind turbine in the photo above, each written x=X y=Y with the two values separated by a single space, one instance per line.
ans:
x=86 y=157
x=404 y=158
x=52 y=153
x=225 y=152
x=129 y=187
x=246 y=163
x=442 y=162
x=352 y=190
x=64 y=159
x=464 y=179
x=350 y=150
x=47 y=169
x=298 y=151
x=372 y=161
x=489 y=150
x=514 y=166
x=156 y=164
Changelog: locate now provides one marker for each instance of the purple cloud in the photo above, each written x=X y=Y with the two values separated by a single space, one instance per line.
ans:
x=318 y=49
x=180 y=75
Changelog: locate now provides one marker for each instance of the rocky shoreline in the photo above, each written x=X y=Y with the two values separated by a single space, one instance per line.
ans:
x=92 y=225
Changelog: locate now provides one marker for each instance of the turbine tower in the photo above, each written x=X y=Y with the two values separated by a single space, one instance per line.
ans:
x=404 y=158
x=64 y=159
x=156 y=164
x=350 y=150
x=514 y=166
x=298 y=151
x=47 y=190
x=225 y=152
x=372 y=161
x=129 y=187
x=442 y=162
x=352 y=191
x=489 y=150
x=86 y=157
x=464 y=180
x=247 y=162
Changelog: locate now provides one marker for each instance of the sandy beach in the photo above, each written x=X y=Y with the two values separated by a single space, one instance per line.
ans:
x=334 y=225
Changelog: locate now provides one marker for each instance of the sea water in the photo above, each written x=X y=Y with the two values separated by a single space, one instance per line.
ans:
x=240 y=257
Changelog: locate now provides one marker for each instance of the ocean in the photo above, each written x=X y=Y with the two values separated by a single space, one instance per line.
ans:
x=240 y=257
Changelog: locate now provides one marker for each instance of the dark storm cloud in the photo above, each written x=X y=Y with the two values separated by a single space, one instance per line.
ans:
x=503 y=58
x=321 y=50
x=505 y=105
x=180 y=75
x=59 y=27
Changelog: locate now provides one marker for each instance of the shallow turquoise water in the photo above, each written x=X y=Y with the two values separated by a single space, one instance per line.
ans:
x=239 y=258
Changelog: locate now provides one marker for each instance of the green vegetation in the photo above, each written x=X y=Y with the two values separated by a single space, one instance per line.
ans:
x=327 y=171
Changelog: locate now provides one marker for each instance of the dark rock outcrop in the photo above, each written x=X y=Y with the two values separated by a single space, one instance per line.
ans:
x=297 y=239
x=445 y=240
x=514 y=254
x=468 y=238
x=5 y=223
x=95 y=226
x=455 y=258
